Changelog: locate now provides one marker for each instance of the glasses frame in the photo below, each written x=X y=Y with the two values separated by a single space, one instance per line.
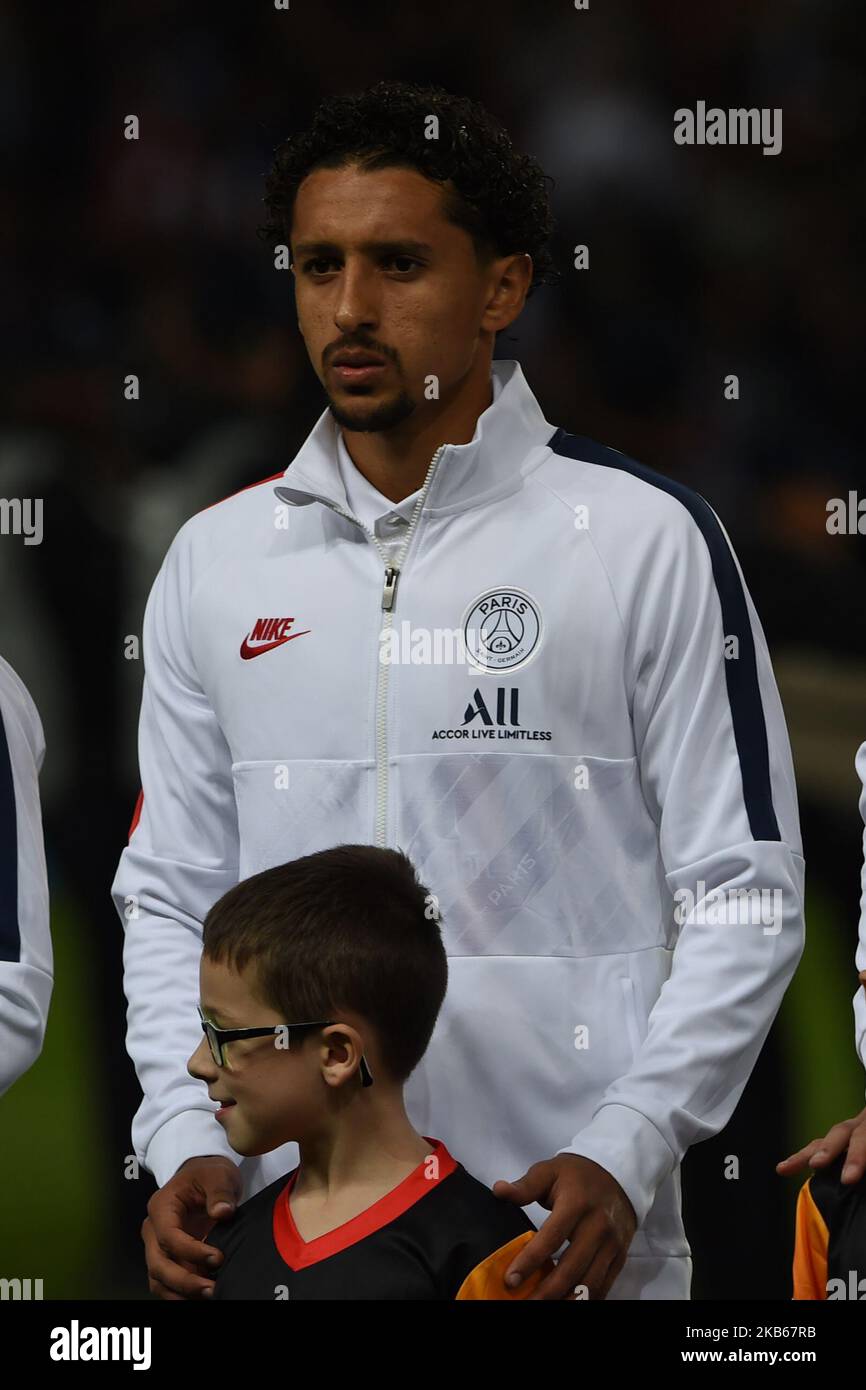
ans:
x=218 y=1037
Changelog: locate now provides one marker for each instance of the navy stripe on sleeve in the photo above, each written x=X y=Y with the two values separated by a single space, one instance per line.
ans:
x=744 y=694
x=10 y=933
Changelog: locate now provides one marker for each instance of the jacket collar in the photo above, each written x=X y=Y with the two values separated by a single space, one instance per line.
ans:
x=508 y=433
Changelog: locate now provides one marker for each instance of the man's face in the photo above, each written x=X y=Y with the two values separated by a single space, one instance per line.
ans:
x=378 y=267
x=268 y=1094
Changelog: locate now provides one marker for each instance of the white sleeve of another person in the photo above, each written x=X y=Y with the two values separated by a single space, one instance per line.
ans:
x=26 y=963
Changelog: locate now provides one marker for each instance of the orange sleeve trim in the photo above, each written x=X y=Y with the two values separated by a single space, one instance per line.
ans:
x=810 y=1248
x=487 y=1279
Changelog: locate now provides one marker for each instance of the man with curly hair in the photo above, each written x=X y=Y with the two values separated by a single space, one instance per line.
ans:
x=523 y=658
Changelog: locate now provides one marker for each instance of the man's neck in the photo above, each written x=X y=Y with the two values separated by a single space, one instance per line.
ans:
x=396 y=461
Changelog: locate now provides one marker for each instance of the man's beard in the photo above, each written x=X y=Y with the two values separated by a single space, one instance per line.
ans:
x=382 y=417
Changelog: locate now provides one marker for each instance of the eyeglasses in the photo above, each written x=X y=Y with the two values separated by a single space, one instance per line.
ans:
x=218 y=1037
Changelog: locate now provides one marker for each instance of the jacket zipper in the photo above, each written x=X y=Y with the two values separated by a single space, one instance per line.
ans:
x=389 y=598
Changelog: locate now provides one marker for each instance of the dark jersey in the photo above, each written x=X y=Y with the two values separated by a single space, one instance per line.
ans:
x=440 y=1234
x=830 y=1248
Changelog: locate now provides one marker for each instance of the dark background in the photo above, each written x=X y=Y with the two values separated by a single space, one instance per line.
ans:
x=122 y=257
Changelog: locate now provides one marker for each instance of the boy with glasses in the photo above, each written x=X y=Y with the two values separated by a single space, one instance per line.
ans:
x=321 y=981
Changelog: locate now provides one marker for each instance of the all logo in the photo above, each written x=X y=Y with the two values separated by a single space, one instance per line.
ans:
x=477 y=708
x=499 y=721
x=502 y=630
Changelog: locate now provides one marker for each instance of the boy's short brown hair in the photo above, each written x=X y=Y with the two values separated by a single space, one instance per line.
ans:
x=345 y=928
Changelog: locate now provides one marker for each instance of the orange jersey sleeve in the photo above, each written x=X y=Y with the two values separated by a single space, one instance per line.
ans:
x=487 y=1279
x=810 y=1248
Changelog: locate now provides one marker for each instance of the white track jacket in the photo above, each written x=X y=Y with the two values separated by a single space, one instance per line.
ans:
x=26 y=958
x=590 y=786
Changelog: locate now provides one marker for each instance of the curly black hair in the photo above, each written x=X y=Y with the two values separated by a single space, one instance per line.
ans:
x=498 y=196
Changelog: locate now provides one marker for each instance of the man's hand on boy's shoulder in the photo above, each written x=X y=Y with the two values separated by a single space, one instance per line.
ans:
x=820 y=1153
x=589 y=1209
x=204 y=1190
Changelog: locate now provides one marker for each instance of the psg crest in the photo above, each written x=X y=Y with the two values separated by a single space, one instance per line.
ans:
x=502 y=630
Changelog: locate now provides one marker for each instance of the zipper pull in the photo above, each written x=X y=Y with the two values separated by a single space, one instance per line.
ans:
x=391 y=577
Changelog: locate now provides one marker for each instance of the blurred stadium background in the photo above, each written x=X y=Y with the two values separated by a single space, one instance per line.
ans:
x=120 y=257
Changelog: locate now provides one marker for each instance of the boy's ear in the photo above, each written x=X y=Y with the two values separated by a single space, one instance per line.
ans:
x=338 y=1035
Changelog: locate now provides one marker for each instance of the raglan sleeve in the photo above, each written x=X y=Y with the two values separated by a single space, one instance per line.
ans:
x=860 y=957
x=717 y=778
x=26 y=958
x=181 y=857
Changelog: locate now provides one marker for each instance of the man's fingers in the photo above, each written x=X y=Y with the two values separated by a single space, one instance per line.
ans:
x=585 y=1262
x=204 y=1190
x=171 y=1278
x=602 y=1271
x=221 y=1206
x=833 y=1144
x=210 y=1185
x=171 y=1213
x=794 y=1162
x=822 y=1151
x=222 y=1191
x=613 y=1271
x=177 y=1275
x=163 y=1292
x=818 y=1149
x=174 y=1242
x=532 y=1187
x=508 y=1190
x=855 y=1162
x=548 y=1238
x=176 y=1280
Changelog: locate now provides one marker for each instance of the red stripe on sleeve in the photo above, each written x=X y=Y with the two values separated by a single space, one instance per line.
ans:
x=136 y=815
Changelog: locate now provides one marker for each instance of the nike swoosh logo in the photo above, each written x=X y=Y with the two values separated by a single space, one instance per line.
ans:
x=248 y=652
